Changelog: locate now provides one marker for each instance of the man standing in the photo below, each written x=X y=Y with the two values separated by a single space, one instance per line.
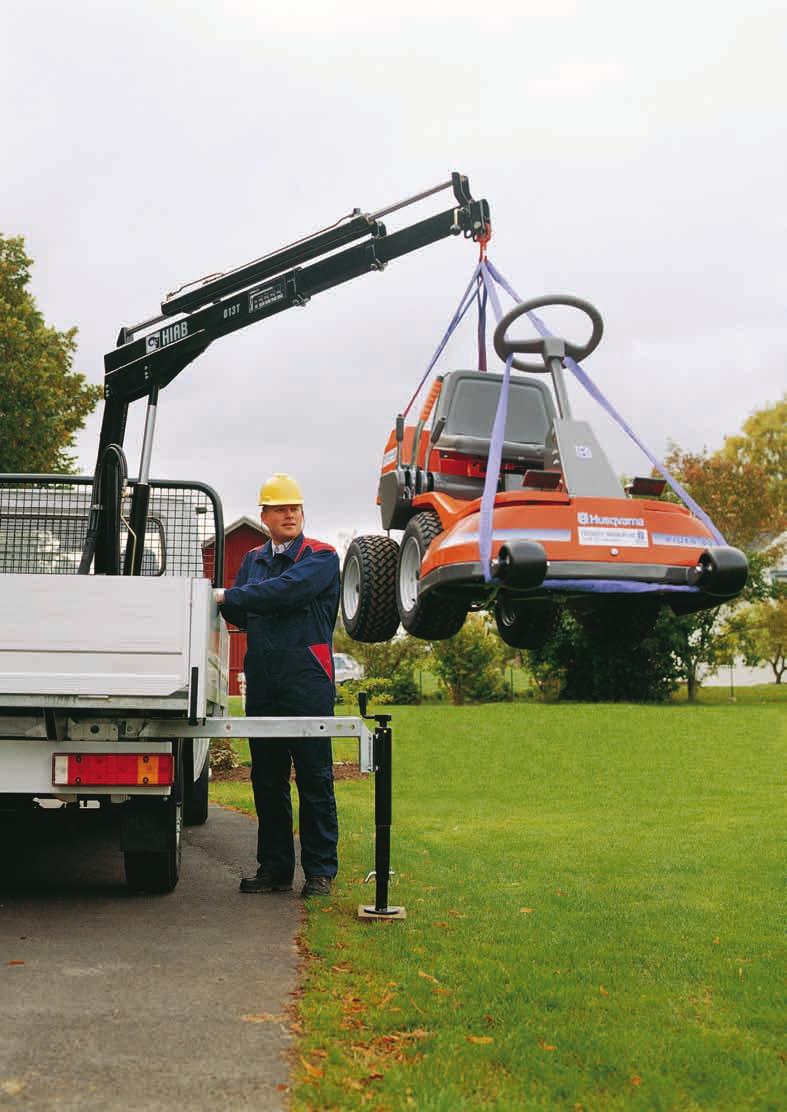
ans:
x=286 y=596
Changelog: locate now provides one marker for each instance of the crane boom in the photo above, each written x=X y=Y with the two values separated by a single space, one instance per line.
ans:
x=149 y=355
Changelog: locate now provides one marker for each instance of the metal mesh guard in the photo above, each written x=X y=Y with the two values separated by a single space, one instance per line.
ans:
x=43 y=522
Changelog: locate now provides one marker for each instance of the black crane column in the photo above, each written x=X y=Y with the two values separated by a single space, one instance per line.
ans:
x=138 y=518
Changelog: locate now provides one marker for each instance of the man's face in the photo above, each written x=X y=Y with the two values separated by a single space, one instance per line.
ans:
x=284 y=523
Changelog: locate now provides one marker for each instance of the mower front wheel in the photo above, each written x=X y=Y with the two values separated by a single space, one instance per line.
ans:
x=426 y=616
x=369 y=589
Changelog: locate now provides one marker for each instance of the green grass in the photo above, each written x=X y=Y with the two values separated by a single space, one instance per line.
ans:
x=593 y=897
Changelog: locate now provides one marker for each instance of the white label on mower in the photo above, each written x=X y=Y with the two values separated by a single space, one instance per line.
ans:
x=583 y=451
x=621 y=538
x=389 y=457
x=677 y=541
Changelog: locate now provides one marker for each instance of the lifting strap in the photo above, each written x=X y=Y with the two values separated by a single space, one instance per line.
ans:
x=491 y=272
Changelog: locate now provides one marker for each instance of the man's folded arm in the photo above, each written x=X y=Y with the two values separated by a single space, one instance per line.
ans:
x=294 y=588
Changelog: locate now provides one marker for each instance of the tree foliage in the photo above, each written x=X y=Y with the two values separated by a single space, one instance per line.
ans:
x=742 y=487
x=43 y=402
x=759 y=634
x=738 y=495
x=763 y=444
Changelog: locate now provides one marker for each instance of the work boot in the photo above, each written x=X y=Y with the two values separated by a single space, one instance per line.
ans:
x=316 y=886
x=264 y=882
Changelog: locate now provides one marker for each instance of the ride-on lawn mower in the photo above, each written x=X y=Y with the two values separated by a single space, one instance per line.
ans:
x=563 y=529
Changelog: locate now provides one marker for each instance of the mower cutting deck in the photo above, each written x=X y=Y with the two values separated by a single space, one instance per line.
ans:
x=564 y=531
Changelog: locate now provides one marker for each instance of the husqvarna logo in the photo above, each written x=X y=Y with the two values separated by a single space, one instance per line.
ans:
x=167 y=336
x=600 y=519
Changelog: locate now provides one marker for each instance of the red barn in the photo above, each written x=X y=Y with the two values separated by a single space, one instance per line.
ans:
x=239 y=537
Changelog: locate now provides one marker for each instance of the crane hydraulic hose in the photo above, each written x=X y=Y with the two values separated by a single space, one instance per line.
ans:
x=108 y=486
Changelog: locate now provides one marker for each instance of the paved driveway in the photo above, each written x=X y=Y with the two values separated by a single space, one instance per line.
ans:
x=114 y=1001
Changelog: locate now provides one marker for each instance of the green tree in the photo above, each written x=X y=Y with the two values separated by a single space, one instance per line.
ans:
x=43 y=402
x=471 y=664
x=759 y=634
x=742 y=487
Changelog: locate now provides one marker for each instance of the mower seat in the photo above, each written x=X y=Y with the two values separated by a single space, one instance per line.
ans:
x=468 y=402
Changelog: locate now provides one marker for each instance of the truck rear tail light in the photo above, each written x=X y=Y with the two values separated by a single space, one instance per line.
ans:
x=112 y=769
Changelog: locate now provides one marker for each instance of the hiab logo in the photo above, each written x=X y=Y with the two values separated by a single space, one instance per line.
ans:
x=166 y=336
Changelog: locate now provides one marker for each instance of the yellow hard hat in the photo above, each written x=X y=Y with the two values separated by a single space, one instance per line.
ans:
x=280 y=490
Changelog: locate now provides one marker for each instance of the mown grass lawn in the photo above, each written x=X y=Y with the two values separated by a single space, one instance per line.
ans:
x=594 y=905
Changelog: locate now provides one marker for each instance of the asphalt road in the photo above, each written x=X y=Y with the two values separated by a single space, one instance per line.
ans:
x=115 y=1001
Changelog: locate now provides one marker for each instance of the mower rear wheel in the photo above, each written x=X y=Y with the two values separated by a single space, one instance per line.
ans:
x=369 y=589
x=429 y=617
x=526 y=625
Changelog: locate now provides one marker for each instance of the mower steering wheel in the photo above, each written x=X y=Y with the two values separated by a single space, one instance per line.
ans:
x=505 y=347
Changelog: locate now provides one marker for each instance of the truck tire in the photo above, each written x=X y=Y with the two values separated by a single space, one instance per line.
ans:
x=527 y=625
x=157 y=871
x=369 y=589
x=429 y=617
x=195 y=792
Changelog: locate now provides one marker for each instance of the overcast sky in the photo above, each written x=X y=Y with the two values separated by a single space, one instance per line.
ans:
x=631 y=154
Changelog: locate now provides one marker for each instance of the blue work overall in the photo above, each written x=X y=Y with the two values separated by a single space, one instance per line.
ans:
x=288 y=604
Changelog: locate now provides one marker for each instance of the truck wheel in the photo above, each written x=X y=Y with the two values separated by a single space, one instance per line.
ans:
x=526 y=625
x=369 y=589
x=430 y=617
x=158 y=871
x=195 y=792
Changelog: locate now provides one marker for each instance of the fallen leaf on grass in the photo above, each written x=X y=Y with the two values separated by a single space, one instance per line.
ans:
x=716 y=941
x=546 y=1045
x=282 y=1088
x=456 y=914
x=602 y=990
x=441 y=923
x=636 y=1081
x=263 y=1017
x=312 y=1071
x=428 y=977
x=344 y=967
x=480 y=1040
x=12 y=1088
x=526 y=911
x=15 y=962
x=489 y=1020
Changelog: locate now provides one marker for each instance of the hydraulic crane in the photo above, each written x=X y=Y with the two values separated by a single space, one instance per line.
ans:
x=150 y=354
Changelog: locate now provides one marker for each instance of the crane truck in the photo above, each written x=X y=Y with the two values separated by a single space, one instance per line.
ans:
x=113 y=656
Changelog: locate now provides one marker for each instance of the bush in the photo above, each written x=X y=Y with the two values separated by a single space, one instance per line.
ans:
x=471 y=664
x=574 y=666
x=378 y=690
x=223 y=757
x=395 y=661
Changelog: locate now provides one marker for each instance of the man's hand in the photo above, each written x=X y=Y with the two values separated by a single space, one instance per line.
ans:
x=218 y=594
